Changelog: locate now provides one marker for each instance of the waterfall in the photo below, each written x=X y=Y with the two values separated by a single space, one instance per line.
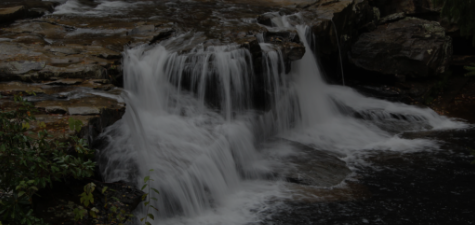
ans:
x=337 y=37
x=189 y=119
x=197 y=154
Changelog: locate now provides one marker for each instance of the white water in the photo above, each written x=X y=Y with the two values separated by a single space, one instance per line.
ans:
x=204 y=158
x=102 y=9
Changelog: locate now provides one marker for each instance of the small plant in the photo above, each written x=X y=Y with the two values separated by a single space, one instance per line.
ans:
x=30 y=161
x=111 y=211
x=146 y=200
x=470 y=70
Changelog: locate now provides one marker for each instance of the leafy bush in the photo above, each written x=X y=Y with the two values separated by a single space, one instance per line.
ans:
x=32 y=160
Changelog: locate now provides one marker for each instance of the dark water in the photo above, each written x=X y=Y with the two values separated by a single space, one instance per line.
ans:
x=412 y=188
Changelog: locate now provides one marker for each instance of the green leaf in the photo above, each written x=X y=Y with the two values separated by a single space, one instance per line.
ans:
x=147 y=178
x=151 y=216
x=144 y=186
x=25 y=126
x=21 y=193
x=104 y=189
x=470 y=74
x=155 y=190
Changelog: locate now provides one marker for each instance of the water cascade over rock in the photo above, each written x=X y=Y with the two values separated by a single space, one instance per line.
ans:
x=190 y=119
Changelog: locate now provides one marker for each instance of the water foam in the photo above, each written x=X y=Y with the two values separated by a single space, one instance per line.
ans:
x=102 y=9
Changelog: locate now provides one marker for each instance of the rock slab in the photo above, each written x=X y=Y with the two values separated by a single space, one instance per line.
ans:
x=410 y=47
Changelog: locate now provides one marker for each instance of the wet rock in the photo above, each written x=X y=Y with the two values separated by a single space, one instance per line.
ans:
x=13 y=88
x=266 y=19
x=150 y=33
x=334 y=24
x=410 y=47
x=163 y=34
x=72 y=71
x=65 y=82
x=83 y=110
x=310 y=166
x=55 y=110
x=21 y=67
x=252 y=44
x=41 y=28
x=67 y=49
x=392 y=18
x=10 y=14
x=103 y=52
x=100 y=81
x=97 y=125
x=281 y=36
x=293 y=51
x=388 y=7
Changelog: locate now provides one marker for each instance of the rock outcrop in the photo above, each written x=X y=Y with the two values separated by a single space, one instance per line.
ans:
x=29 y=9
x=407 y=48
x=412 y=7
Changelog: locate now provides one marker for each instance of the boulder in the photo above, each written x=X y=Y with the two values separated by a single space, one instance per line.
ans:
x=306 y=165
x=388 y=7
x=409 y=47
x=335 y=26
x=314 y=167
x=10 y=14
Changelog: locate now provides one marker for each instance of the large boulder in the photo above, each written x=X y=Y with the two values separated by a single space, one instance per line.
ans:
x=410 y=47
x=388 y=7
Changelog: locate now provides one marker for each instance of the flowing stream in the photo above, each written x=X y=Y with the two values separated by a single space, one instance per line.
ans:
x=190 y=126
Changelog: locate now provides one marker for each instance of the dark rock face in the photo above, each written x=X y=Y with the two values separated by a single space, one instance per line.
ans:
x=409 y=47
x=348 y=17
x=29 y=9
x=388 y=7
x=336 y=23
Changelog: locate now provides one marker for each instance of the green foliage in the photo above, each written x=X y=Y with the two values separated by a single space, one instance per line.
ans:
x=460 y=12
x=31 y=160
x=470 y=70
x=111 y=214
x=75 y=124
x=146 y=200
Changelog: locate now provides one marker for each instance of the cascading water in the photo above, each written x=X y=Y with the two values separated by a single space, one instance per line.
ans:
x=188 y=118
